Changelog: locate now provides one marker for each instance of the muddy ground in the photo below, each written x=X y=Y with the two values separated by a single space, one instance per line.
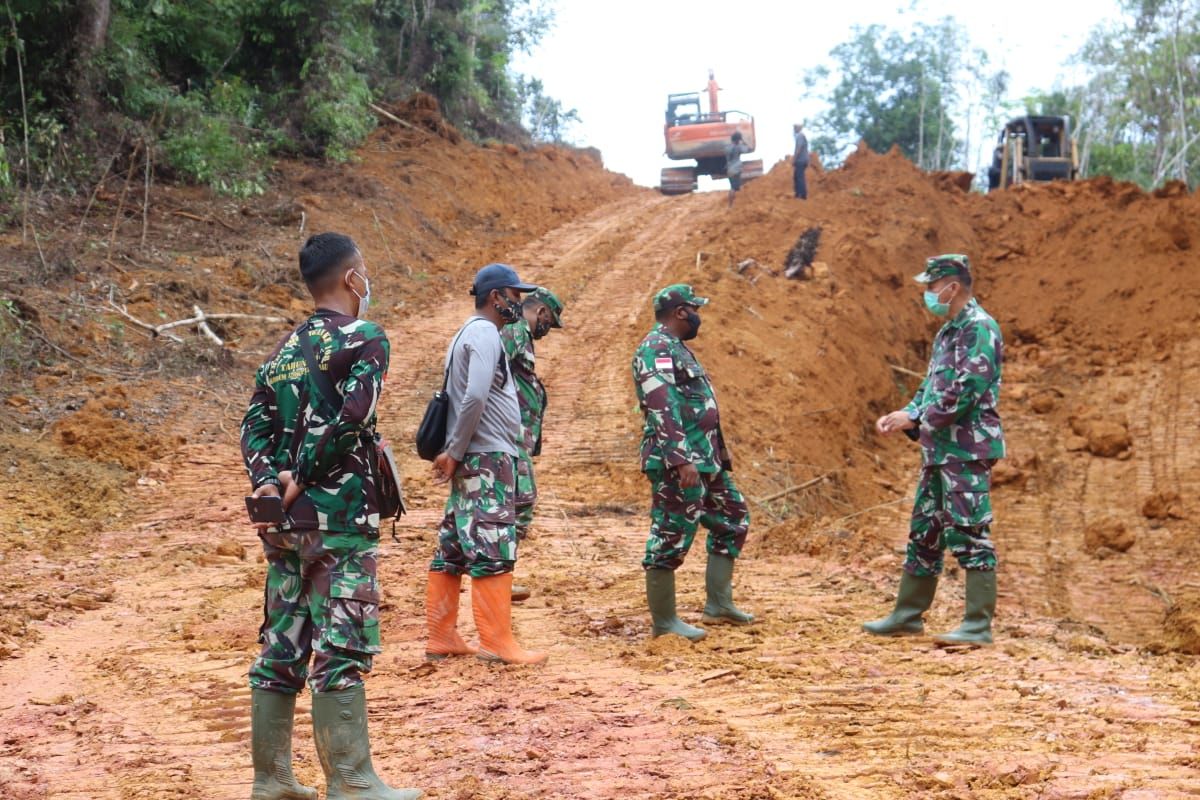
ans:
x=132 y=585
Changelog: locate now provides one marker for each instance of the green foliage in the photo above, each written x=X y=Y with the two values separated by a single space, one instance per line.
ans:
x=203 y=147
x=15 y=346
x=1140 y=109
x=544 y=117
x=217 y=87
x=896 y=89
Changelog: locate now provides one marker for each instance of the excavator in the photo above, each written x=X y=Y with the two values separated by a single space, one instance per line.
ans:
x=692 y=135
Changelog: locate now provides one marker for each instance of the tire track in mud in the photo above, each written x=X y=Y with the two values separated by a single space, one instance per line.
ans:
x=153 y=686
x=1040 y=527
x=146 y=697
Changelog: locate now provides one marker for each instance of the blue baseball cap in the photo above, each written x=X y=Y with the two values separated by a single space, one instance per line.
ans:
x=498 y=276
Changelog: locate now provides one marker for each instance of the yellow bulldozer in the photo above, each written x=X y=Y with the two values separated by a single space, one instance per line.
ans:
x=1034 y=149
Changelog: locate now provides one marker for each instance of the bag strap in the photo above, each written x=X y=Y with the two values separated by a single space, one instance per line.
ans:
x=453 y=347
x=319 y=378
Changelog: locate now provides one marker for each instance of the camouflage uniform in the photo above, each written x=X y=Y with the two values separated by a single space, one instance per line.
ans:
x=478 y=535
x=682 y=426
x=531 y=394
x=961 y=438
x=518 y=343
x=321 y=596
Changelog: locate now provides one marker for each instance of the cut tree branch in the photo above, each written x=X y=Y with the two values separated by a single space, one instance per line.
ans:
x=200 y=320
x=906 y=371
x=390 y=117
x=202 y=324
x=792 y=489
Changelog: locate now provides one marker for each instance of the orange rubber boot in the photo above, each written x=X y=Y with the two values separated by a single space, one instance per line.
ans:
x=441 y=618
x=491 y=600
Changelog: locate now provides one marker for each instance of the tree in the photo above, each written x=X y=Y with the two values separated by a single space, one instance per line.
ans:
x=544 y=117
x=91 y=36
x=896 y=89
x=216 y=86
x=1139 y=108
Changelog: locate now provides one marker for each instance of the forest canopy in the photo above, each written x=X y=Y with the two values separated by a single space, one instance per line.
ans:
x=217 y=87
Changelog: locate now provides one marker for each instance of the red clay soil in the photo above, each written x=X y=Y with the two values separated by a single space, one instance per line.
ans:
x=138 y=690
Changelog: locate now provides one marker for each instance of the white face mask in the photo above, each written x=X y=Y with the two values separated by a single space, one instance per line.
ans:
x=364 y=300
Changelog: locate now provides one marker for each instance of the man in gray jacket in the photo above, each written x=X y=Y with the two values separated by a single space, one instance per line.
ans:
x=800 y=159
x=478 y=535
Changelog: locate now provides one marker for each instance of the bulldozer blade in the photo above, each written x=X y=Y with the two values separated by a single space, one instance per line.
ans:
x=752 y=169
x=677 y=180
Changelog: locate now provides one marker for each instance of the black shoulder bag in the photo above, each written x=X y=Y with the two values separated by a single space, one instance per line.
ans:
x=431 y=433
x=389 y=497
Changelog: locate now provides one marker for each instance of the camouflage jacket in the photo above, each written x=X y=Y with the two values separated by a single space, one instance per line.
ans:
x=531 y=394
x=683 y=424
x=956 y=402
x=289 y=426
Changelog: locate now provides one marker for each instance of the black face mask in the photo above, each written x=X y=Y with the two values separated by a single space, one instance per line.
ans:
x=510 y=312
x=541 y=329
x=693 y=326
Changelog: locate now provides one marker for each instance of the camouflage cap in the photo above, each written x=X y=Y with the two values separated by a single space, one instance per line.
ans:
x=943 y=266
x=677 y=294
x=550 y=300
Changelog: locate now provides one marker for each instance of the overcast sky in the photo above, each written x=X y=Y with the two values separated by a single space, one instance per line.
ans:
x=616 y=60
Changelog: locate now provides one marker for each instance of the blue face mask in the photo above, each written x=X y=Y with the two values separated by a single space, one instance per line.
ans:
x=934 y=304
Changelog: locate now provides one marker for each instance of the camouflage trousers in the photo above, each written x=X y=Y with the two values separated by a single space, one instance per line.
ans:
x=321 y=602
x=953 y=509
x=526 y=496
x=478 y=535
x=676 y=513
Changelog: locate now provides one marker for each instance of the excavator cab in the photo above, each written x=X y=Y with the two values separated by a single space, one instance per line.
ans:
x=683 y=109
x=692 y=134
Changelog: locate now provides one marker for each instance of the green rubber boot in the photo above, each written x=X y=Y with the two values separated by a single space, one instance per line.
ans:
x=271 y=716
x=718 y=583
x=913 y=598
x=976 y=627
x=340 y=728
x=660 y=594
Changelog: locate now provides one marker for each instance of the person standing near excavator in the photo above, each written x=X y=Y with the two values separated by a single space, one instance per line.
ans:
x=954 y=416
x=800 y=159
x=689 y=468
x=733 y=163
x=541 y=312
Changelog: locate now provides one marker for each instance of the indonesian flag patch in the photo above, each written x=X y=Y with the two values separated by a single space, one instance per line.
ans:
x=664 y=363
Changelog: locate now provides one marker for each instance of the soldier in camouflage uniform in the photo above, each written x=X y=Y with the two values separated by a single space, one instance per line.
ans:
x=478 y=535
x=685 y=458
x=541 y=311
x=954 y=416
x=322 y=597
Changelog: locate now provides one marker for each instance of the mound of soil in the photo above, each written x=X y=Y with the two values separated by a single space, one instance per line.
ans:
x=1163 y=505
x=1182 y=624
x=1108 y=533
x=102 y=431
x=1092 y=286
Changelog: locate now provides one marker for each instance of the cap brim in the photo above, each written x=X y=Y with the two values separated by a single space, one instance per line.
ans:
x=699 y=301
x=522 y=287
x=924 y=277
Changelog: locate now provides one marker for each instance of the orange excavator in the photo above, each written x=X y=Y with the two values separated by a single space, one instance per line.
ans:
x=692 y=135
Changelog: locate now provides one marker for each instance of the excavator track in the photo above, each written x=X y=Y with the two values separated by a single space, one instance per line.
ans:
x=678 y=180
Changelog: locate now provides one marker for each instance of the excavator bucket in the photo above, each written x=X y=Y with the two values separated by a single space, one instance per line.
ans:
x=681 y=180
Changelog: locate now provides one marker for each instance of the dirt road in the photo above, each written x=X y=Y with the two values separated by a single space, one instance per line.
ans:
x=145 y=697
